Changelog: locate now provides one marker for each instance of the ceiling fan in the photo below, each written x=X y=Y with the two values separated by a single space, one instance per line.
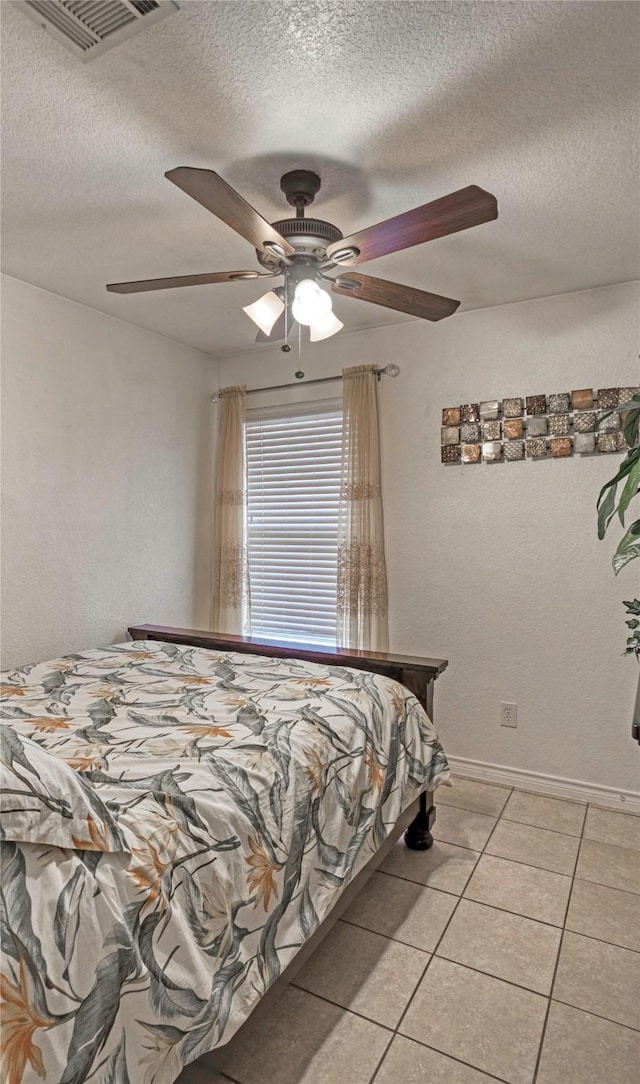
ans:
x=306 y=250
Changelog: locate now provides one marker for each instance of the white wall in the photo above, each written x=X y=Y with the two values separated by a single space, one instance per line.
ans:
x=498 y=567
x=106 y=477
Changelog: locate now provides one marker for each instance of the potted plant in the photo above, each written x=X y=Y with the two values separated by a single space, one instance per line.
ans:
x=611 y=501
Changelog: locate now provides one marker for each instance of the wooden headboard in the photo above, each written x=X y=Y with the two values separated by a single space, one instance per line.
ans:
x=416 y=674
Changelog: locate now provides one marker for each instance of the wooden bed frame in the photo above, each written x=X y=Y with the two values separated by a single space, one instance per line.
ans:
x=416 y=674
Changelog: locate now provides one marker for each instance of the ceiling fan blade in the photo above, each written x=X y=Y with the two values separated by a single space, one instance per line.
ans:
x=395 y=296
x=458 y=211
x=143 y=285
x=222 y=200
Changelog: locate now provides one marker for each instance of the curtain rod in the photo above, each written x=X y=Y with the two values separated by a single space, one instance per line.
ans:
x=388 y=370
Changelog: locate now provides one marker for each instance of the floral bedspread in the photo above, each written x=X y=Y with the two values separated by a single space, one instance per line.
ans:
x=217 y=805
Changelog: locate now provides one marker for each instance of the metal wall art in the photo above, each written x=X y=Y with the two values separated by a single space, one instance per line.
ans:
x=535 y=427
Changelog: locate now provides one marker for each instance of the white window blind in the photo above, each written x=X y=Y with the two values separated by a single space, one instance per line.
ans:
x=293 y=468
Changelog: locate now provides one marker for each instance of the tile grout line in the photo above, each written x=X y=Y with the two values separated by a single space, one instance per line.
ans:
x=600 y=940
x=555 y=970
x=423 y=884
x=468 y=809
x=516 y=914
x=420 y=980
x=527 y=824
x=518 y=861
x=558 y=831
x=562 y=928
x=435 y=949
x=343 y=1008
x=494 y=907
x=598 y=1015
x=601 y=884
x=459 y=896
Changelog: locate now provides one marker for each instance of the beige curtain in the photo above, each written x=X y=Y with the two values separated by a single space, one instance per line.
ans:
x=231 y=598
x=362 y=578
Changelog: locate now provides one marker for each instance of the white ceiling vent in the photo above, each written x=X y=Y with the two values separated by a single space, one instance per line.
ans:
x=90 y=27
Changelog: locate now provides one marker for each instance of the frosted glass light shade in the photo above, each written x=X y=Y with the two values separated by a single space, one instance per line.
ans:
x=265 y=311
x=324 y=327
x=310 y=303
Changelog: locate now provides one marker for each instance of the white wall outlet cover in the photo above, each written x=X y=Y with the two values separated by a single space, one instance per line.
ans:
x=508 y=714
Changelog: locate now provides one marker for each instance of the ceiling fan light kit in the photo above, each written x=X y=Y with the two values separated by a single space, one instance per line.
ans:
x=310 y=303
x=304 y=251
x=265 y=311
x=325 y=327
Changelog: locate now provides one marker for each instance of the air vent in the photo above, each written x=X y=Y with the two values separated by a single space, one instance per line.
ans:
x=90 y=27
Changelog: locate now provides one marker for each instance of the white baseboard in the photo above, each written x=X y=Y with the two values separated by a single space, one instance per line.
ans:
x=553 y=785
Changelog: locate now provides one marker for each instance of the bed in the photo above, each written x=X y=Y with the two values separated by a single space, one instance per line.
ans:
x=183 y=817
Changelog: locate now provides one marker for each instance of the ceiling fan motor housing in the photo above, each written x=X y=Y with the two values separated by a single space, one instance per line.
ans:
x=308 y=236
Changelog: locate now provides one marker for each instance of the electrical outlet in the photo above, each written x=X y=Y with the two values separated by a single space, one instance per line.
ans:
x=508 y=714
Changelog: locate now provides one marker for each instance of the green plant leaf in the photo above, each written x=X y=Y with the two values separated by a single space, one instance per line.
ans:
x=631 y=485
x=630 y=427
x=606 y=512
x=628 y=547
x=606 y=505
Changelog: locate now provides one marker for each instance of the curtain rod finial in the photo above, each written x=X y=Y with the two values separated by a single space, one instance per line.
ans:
x=391 y=370
x=214 y=397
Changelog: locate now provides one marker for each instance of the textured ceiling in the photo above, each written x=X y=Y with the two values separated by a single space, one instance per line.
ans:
x=393 y=103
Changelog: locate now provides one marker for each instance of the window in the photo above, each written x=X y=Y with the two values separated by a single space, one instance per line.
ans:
x=293 y=470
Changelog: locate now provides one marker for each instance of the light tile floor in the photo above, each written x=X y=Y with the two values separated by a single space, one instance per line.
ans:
x=510 y=951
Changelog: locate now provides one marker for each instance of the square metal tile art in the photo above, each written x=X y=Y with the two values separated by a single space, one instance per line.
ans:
x=512 y=408
x=513 y=428
x=489 y=410
x=513 y=449
x=470 y=453
x=584 y=443
x=536 y=448
x=612 y=423
x=469 y=432
x=492 y=451
x=584 y=422
x=560 y=403
x=611 y=442
x=536 y=404
x=450 y=434
x=559 y=424
x=536 y=427
x=560 y=447
x=450 y=453
x=451 y=416
x=608 y=398
x=582 y=399
x=491 y=430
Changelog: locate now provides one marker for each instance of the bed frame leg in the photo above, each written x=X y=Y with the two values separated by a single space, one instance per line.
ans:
x=418 y=835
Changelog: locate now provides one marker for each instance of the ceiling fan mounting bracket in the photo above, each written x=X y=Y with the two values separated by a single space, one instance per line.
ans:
x=300 y=187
